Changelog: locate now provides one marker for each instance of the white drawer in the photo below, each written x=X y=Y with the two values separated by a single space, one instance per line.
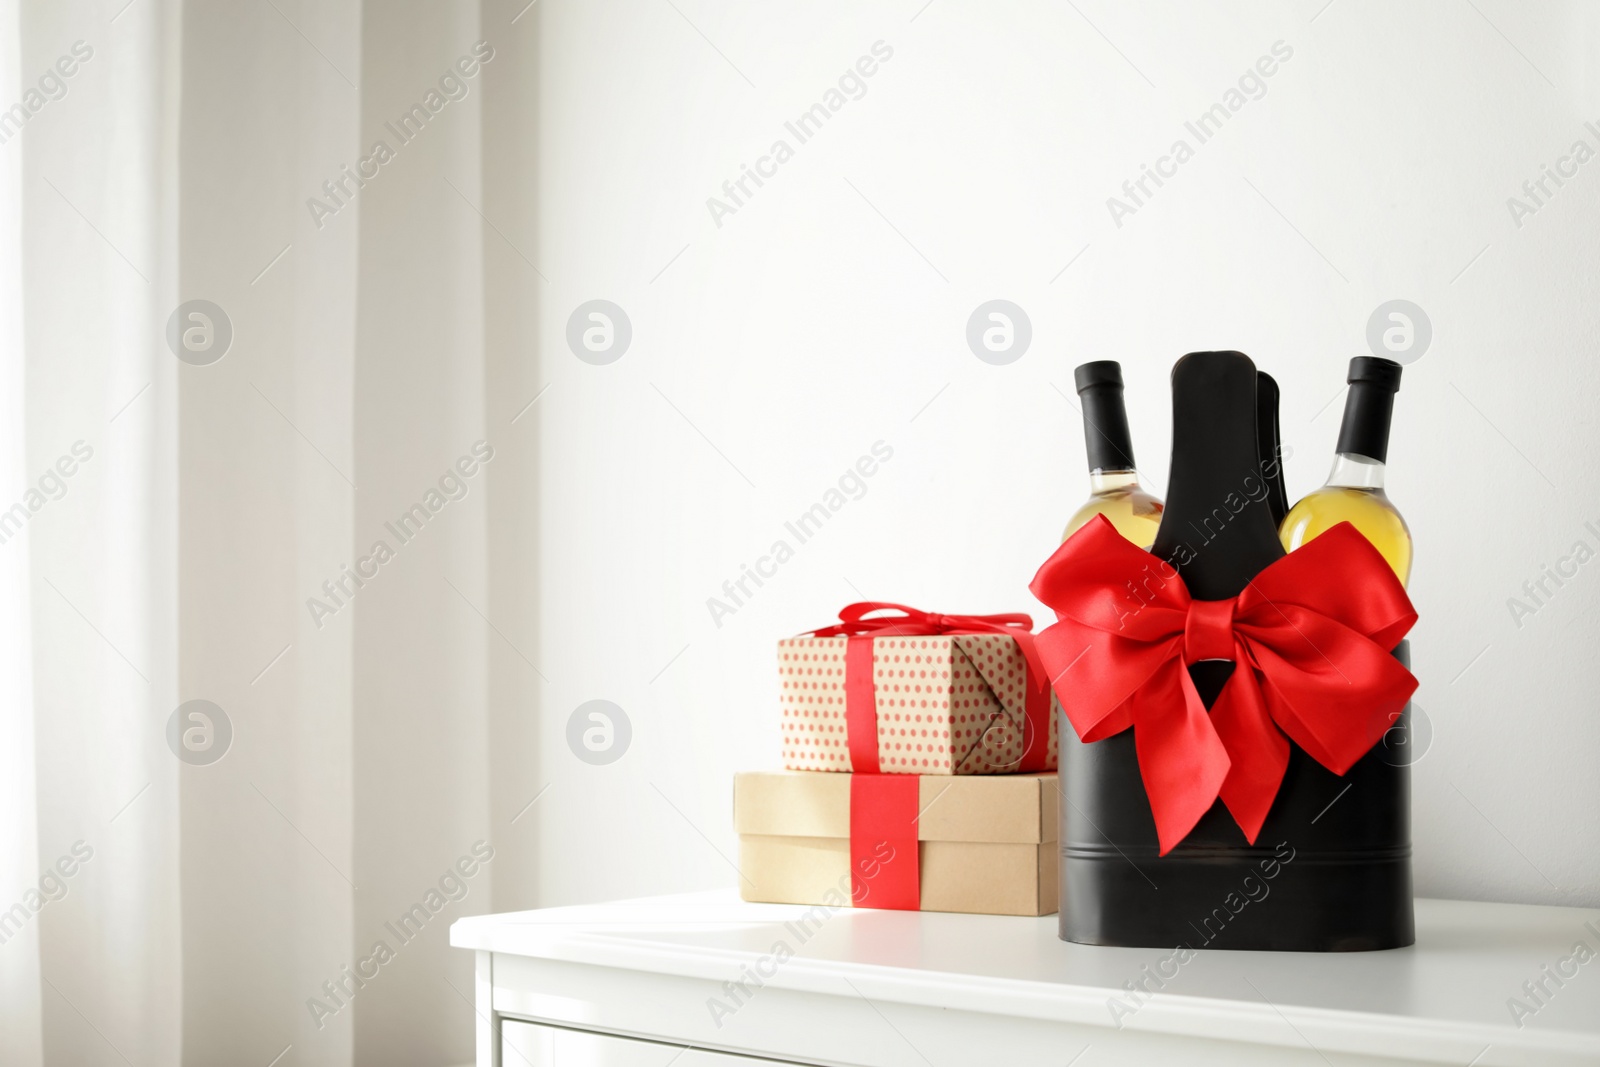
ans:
x=531 y=1045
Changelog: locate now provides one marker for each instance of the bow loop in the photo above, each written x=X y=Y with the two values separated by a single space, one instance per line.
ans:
x=1311 y=635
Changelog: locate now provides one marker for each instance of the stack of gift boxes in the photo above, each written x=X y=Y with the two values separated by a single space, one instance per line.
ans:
x=921 y=753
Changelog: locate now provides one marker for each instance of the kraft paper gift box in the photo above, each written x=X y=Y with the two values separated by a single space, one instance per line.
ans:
x=983 y=844
x=962 y=703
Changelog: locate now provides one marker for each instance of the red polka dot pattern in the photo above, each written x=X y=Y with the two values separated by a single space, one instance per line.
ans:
x=946 y=705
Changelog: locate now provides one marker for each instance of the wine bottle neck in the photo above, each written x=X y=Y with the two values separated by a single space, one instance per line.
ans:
x=1365 y=430
x=1354 y=471
x=1111 y=481
x=1107 y=441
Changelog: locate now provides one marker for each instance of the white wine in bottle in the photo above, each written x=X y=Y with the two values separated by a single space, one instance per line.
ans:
x=1114 y=489
x=1354 y=491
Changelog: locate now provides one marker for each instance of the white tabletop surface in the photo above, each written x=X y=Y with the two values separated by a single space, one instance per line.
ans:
x=1453 y=986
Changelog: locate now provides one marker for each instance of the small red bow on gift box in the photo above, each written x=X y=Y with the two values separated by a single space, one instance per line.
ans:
x=914 y=623
x=1311 y=637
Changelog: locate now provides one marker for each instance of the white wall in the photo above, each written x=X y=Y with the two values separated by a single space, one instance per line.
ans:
x=829 y=312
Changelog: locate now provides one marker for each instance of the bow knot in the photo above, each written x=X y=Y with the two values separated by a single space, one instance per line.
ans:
x=1208 y=630
x=1311 y=637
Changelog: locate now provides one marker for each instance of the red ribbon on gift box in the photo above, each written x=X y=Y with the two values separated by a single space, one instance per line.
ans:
x=859 y=623
x=884 y=868
x=1311 y=638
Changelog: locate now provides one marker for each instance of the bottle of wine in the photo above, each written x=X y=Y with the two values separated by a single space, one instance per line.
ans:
x=1354 y=492
x=1113 y=482
x=1269 y=447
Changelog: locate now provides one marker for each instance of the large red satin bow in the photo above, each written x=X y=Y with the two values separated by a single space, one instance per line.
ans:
x=1311 y=637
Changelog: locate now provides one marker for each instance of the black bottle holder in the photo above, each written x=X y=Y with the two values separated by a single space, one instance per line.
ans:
x=1331 y=869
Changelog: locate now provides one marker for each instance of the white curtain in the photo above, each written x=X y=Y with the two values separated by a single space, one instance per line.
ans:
x=192 y=528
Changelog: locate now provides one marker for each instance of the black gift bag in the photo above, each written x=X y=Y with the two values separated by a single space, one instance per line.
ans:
x=1331 y=867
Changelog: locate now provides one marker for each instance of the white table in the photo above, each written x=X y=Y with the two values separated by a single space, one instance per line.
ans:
x=638 y=984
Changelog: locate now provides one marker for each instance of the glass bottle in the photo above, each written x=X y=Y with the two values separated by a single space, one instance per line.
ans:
x=1114 y=489
x=1354 y=491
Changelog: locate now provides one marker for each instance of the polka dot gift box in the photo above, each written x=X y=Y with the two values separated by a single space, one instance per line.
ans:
x=916 y=693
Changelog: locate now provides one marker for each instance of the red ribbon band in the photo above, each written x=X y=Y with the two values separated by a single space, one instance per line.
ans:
x=884 y=868
x=860 y=706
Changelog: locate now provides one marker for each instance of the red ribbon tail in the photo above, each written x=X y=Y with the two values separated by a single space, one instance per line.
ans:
x=884 y=868
x=1181 y=759
x=1258 y=752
